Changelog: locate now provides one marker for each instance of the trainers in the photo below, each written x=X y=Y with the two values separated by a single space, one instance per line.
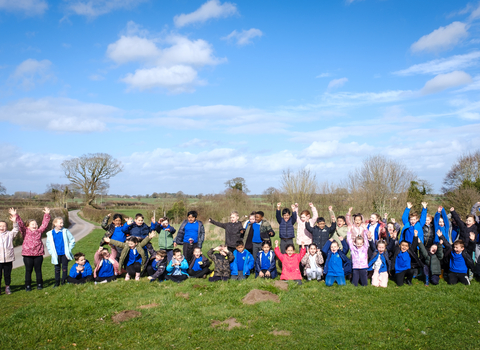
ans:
x=39 y=287
x=127 y=277
x=57 y=284
x=7 y=290
x=28 y=288
x=137 y=277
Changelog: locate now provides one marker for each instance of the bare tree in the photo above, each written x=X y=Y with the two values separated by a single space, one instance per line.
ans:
x=272 y=195
x=299 y=187
x=461 y=199
x=3 y=190
x=465 y=172
x=90 y=173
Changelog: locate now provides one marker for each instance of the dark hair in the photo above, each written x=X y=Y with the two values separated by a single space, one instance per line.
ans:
x=78 y=256
x=253 y=213
x=261 y=213
x=341 y=217
x=320 y=219
x=357 y=214
x=264 y=243
x=4 y=222
x=132 y=239
x=239 y=244
x=459 y=242
x=192 y=213
x=313 y=245
x=404 y=241
x=139 y=215
x=286 y=211
x=162 y=253
x=176 y=250
x=165 y=219
x=288 y=246
x=117 y=216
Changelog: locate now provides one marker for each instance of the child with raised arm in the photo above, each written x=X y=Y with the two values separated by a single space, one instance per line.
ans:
x=106 y=267
x=321 y=233
x=234 y=230
x=380 y=264
x=290 y=262
x=286 y=230
x=376 y=227
x=302 y=233
x=405 y=260
x=313 y=262
x=222 y=258
x=459 y=261
x=396 y=225
x=191 y=234
x=432 y=268
x=140 y=229
x=359 y=253
x=358 y=226
x=341 y=228
x=165 y=237
x=81 y=272
x=337 y=264
x=32 y=248
x=60 y=243
x=259 y=232
x=412 y=222
x=7 y=252
x=265 y=264
x=158 y=269
x=199 y=265
x=113 y=230
x=441 y=223
x=177 y=267
x=474 y=212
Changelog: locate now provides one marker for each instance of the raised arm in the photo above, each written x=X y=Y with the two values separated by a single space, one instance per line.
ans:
x=105 y=222
x=45 y=221
x=21 y=225
x=406 y=213
x=474 y=211
x=216 y=223
x=314 y=212
x=348 y=218
x=423 y=216
x=308 y=227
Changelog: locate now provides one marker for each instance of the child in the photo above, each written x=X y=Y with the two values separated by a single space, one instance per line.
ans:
x=177 y=267
x=290 y=262
x=441 y=223
x=405 y=260
x=60 y=243
x=81 y=272
x=380 y=264
x=376 y=227
x=114 y=230
x=429 y=233
x=286 y=229
x=321 y=233
x=234 y=230
x=7 y=252
x=337 y=265
x=411 y=223
x=222 y=259
x=358 y=227
x=265 y=265
x=341 y=229
x=158 y=269
x=259 y=233
x=165 y=237
x=134 y=255
x=396 y=225
x=32 y=248
x=359 y=254
x=140 y=229
x=106 y=267
x=242 y=264
x=190 y=234
x=250 y=227
x=313 y=262
x=433 y=262
x=199 y=264
x=459 y=261
x=302 y=233
x=474 y=212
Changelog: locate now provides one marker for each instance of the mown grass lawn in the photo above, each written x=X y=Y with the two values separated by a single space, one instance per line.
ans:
x=413 y=317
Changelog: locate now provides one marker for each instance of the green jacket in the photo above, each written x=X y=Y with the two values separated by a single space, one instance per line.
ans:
x=432 y=261
x=339 y=232
x=165 y=238
x=126 y=250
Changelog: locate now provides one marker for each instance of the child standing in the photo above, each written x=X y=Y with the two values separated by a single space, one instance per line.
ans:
x=412 y=223
x=81 y=272
x=32 y=248
x=234 y=230
x=190 y=234
x=199 y=265
x=106 y=267
x=158 y=269
x=222 y=258
x=265 y=264
x=313 y=262
x=242 y=264
x=302 y=233
x=177 y=267
x=7 y=252
x=259 y=233
x=380 y=264
x=290 y=262
x=359 y=253
x=337 y=265
x=376 y=227
x=286 y=229
x=358 y=226
x=441 y=223
x=321 y=233
x=341 y=229
x=60 y=243
x=253 y=230
x=165 y=237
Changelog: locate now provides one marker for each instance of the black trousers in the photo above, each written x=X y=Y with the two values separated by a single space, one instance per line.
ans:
x=108 y=279
x=133 y=269
x=79 y=280
x=62 y=265
x=188 y=250
x=199 y=274
x=176 y=278
x=360 y=274
x=33 y=262
x=400 y=277
x=454 y=278
x=6 y=269
x=218 y=278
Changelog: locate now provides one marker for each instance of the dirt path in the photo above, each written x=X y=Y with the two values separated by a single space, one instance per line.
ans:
x=78 y=227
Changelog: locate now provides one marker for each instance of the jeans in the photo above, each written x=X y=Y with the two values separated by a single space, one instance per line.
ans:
x=330 y=280
x=62 y=265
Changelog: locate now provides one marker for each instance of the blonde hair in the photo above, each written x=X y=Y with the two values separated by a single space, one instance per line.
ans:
x=56 y=219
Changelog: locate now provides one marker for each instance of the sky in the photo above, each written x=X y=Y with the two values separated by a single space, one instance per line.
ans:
x=189 y=94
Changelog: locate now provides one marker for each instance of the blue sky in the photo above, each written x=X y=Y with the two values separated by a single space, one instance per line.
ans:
x=188 y=94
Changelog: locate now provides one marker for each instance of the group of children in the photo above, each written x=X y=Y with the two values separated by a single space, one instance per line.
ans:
x=351 y=248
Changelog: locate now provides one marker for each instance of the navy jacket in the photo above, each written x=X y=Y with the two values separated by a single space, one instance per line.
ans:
x=347 y=263
x=412 y=251
x=286 y=229
x=138 y=231
x=273 y=265
x=321 y=236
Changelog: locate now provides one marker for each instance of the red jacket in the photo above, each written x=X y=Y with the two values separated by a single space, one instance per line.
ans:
x=290 y=264
x=32 y=240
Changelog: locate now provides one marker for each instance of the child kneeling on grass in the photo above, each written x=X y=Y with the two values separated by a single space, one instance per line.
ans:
x=337 y=265
x=177 y=267
x=380 y=264
x=242 y=264
x=106 y=267
x=158 y=269
x=265 y=264
x=60 y=243
x=433 y=261
x=199 y=264
x=313 y=262
x=290 y=262
x=459 y=261
x=405 y=260
x=81 y=272
x=222 y=258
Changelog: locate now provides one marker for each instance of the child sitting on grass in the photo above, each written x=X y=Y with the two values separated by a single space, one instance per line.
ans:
x=191 y=234
x=459 y=261
x=286 y=230
x=222 y=258
x=199 y=265
x=290 y=262
x=337 y=265
x=165 y=237
x=106 y=267
x=7 y=252
x=432 y=269
x=405 y=260
x=380 y=264
x=134 y=254
x=60 y=243
x=265 y=264
x=242 y=264
x=177 y=267
x=234 y=230
x=158 y=269
x=359 y=253
x=81 y=272
x=114 y=230
x=313 y=262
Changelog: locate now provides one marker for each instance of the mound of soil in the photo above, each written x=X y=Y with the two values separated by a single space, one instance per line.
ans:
x=275 y=332
x=148 y=306
x=183 y=295
x=197 y=286
x=231 y=322
x=257 y=296
x=281 y=285
x=125 y=316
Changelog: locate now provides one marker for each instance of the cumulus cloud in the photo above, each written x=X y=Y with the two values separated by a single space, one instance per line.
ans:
x=95 y=8
x=177 y=78
x=244 y=37
x=442 y=38
x=210 y=9
x=28 y=7
x=336 y=83
x=445 y=81
x=30 y=72
x=323 y=75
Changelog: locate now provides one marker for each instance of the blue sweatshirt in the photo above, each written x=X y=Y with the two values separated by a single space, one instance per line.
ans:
x=191 y=231
x=408 y=233
x=265 y=261
x=87 y=271
x=457 y=263
x=119 y=235
x=133 y=257
x=335 y=266
x=403 y=262
x=240 y=259
x=196 y=266
x=256 y=233
x=59 y=242
x=106 y=270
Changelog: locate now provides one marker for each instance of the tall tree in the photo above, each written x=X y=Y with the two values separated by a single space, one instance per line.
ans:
x=300 y=187
x=464 y=173
x=237 y=183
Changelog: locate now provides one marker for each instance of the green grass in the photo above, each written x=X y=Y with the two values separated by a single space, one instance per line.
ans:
x=317 y=317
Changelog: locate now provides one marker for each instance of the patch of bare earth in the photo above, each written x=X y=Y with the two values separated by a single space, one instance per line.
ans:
x=125 y=315
x=183 y=295
x=231 y=322
x=257 y=296
x=275 y=332
x=281 y=285
x=148 y=306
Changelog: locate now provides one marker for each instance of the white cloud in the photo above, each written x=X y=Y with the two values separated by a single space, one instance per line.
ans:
x=336 y=83
x=132 y=49
x=95 y=8
x=198 y=143
x=177 y=78
x=323 y=75
x=210 y=9
x=444 y=81
x=245 y=36
x=329 y=149
x=351 y=98
x=28 y=7
x=442 y=38
x=470 y=115
x=30 y=72
x=443 y=65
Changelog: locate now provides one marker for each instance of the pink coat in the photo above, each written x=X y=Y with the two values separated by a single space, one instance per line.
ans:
x=98 y=260
x=32 y=240
x=302 y=233
x=290 y=264
x=359 y=255
x=354 y=229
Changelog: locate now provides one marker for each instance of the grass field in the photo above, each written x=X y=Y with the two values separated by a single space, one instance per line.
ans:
x=312 y=315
